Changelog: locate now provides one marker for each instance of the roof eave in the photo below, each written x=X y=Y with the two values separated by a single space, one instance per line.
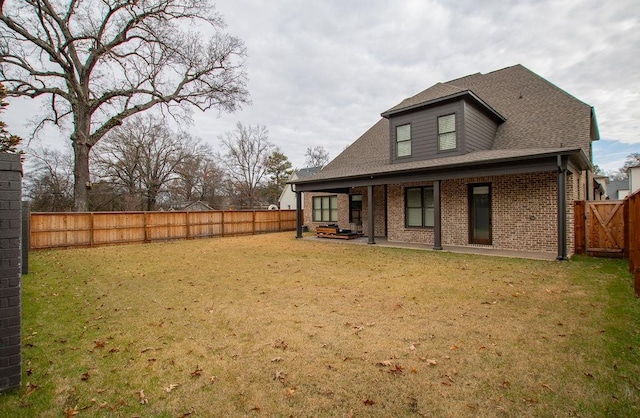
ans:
x=582 y=160
x=392 y=112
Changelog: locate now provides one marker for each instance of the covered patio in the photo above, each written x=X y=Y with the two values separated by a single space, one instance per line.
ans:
x=478 y=250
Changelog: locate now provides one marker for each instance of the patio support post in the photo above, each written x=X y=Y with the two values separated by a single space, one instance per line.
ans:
x=437 y=224
x=298 y=214
x=562 y=210
x=370 y=220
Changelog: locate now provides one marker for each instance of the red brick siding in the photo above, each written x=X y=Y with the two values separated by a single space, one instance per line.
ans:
x=397 y=230
x=524 y=211
x=343 y=210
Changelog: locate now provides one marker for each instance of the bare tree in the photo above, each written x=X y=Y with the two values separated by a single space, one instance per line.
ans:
x=142 y=157
x=102 y=61
x=49 y=182
x=316 y=156
x=246 y=160
x=632 y=160
x=198 y=177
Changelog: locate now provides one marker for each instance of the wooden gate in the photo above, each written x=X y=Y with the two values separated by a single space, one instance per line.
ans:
x=604 y=229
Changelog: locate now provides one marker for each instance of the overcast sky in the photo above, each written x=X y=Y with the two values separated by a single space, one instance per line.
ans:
x=321 y=72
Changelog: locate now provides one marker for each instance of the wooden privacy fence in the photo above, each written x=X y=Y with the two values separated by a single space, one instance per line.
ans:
x=633 y=228
x=611 y=229
x=600 y=228
x=87 y=229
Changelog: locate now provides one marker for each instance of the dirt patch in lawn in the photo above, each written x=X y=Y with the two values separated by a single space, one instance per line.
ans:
x=269 y=325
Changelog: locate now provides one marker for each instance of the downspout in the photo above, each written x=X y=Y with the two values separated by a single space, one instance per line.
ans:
x=562 y=210
x=298 y=212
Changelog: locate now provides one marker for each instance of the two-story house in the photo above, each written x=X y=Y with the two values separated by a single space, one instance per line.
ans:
x=493 y=160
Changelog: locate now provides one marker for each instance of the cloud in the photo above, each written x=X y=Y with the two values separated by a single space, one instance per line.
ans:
x=322 y=72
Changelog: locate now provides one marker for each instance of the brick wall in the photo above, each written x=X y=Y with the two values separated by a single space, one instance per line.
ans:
x=524 y=212
x=10 y=278
x=343 y=210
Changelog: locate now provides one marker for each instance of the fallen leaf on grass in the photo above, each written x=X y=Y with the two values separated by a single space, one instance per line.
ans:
x=143 y=398
x=385 y=363
x=99 y=343
x=71 y=412
x=506 y=384
x=544 y=385
x=396 y=369
x=171 y=387
x=589 y=375
x=369 y=402
x=197 y=372
x=85 y=376
x=289 y=392
x=279 y=375
x=29 y=388
x=279 y=344
x=255 y=409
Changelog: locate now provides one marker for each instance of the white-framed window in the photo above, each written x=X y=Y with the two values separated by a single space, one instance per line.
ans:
x=325 y=208
x=447 y=133
x=403 y=140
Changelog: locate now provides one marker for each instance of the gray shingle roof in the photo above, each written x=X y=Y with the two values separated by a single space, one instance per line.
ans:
x=540 y=119
x=306 y=172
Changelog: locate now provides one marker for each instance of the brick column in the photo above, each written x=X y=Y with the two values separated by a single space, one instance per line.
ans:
x=10 y=274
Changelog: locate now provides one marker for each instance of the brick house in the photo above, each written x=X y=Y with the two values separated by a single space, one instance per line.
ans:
x=492 y=160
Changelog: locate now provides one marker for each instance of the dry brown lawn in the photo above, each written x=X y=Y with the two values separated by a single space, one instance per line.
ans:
x=273 y=326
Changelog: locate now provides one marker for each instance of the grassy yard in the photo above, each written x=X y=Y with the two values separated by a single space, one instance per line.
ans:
x=272 y=326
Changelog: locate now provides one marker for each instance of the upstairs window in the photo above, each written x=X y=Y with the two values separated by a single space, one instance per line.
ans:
x=325 y=209
x=403 y=140
x=419 y=207
x=447 y=133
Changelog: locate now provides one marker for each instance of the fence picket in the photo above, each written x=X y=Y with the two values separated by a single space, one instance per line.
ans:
x=65 y=230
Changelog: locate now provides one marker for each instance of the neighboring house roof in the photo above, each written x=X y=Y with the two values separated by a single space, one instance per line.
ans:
x=615 y=185
x=192 y=206
x=297 y=175
x=306 y=172
x=536 y=118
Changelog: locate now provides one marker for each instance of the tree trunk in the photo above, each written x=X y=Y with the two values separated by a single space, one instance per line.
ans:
x=81 y=176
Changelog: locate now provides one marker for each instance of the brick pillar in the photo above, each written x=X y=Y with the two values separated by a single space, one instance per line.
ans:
x=10 y=274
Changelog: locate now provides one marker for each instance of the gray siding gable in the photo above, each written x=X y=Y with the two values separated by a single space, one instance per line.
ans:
x=424 y=131
x=475 y=130
x=480 y=130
